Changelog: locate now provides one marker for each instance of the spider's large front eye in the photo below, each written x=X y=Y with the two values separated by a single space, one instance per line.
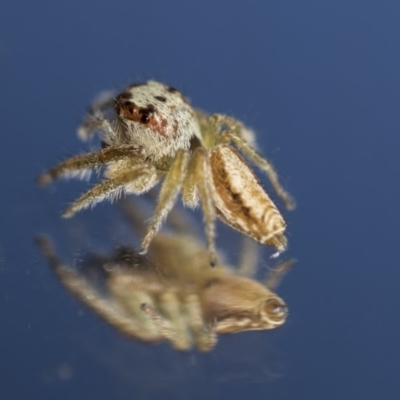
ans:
x=146 y=113
x=131 y=111
x=145 y=117
x=275 y=309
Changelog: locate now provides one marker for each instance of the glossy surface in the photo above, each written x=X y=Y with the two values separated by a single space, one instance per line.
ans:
x=318 y=82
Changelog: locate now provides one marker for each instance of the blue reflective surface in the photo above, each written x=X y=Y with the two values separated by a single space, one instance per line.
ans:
x=319 y=82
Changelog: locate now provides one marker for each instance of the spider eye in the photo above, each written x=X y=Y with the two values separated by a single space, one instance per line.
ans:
x=146 y=113
x=145 y=117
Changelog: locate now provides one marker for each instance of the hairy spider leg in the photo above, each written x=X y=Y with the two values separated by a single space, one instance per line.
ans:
x=137 y=180
x=202 y=179
x=81 y=165
x=95 y=119
x=235 y=134
x=169 y=191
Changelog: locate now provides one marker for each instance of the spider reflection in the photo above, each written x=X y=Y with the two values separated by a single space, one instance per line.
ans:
x=171 y=294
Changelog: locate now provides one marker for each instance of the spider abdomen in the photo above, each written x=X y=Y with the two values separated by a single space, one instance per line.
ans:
x=240 y=200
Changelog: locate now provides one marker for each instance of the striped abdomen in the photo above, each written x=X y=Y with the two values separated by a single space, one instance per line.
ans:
x=240 y=200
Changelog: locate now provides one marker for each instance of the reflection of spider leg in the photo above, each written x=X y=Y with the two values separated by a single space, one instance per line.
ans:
x=180 y=222
x=161 y=324
x=135 y=180
x=248 y=259
x=131 y=303
x=82 y=290
x=275 y=276
x=168 y=193
x=80 y=166
x=205 y=337
x=134 y=212
x=63 y=273
x=169 y=319
x=170 y=308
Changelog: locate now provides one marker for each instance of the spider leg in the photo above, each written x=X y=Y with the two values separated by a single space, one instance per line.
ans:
x=202 y=178
x=244 y=140
x=244 y=132
x=103 y=100
x=275 y=276
x=82 y=164
x=265 y=166
x=132 y=180
x=95 y=120
x=168 y=193
x=190 y=194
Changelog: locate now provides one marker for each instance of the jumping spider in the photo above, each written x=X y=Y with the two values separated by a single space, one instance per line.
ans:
x=152 y=298
x=150 y=132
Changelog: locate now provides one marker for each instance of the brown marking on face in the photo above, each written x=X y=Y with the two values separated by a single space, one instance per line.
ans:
x=247 y=209
x=144 y=115
x=127 y=109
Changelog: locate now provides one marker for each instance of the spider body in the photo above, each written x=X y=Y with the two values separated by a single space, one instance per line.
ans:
x=150 y=132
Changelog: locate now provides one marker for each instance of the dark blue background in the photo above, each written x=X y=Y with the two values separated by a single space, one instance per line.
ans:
x=319 y=81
